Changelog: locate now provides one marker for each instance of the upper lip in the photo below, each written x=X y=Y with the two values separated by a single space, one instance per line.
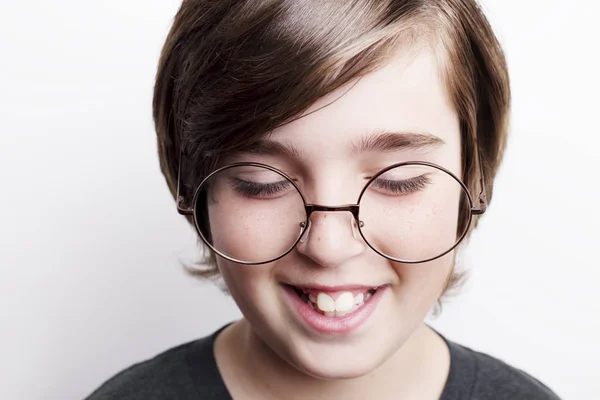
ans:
x=337 y=288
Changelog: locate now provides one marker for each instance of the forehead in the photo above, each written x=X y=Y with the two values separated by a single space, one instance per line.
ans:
x=406 y=95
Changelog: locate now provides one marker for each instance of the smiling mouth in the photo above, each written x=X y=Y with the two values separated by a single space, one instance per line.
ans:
x=336 y=304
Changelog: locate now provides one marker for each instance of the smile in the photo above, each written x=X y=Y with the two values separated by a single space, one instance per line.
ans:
x=334 y=310
x=337 y=303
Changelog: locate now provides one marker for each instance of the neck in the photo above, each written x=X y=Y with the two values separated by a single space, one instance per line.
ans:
x=416 y=370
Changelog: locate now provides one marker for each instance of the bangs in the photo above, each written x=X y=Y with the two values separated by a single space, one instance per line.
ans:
x=269 y=64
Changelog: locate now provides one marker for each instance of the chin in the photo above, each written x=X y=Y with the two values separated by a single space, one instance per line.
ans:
x=331 y=362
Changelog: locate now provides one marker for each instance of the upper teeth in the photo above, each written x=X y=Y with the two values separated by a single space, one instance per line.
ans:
x=345 y=302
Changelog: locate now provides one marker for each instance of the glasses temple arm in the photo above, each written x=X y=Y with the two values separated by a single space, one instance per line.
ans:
x=181 y=207
x=482 y=194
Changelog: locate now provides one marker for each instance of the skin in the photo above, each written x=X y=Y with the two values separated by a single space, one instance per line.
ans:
x=270 y=353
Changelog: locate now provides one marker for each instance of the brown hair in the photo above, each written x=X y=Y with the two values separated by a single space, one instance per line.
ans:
x=232 y=71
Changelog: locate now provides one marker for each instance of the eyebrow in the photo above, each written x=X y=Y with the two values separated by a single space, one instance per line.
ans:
x=265 y=147
x=388 y=141
x=379 y=140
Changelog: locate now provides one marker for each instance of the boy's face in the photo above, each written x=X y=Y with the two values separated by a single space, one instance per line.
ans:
x=404 y=96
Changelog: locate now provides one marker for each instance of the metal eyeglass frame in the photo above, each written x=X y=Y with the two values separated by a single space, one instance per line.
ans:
x=354 y=209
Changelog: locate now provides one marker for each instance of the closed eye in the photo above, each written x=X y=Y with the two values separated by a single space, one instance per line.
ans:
x=260 y=190
x=401 y=187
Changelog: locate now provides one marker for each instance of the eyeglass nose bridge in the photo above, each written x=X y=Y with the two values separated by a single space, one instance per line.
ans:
x=352 y=208
x=311 y=208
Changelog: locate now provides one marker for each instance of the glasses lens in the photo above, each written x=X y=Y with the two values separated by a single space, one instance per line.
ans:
x=250 y=214
x=414 y=213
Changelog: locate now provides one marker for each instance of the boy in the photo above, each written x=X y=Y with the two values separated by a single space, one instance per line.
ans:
x=332 y=157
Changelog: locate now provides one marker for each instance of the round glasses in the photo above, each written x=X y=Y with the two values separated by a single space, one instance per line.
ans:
x=412 y=212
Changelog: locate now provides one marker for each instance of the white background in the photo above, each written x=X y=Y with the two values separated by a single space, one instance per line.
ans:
x=90 y=239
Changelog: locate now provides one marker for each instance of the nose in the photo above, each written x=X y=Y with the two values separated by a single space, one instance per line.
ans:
x=331 y=238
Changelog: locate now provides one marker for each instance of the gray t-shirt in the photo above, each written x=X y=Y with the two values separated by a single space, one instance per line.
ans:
x=189 y=371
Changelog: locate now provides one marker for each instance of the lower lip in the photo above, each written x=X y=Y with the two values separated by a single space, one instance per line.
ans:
x=340 y=325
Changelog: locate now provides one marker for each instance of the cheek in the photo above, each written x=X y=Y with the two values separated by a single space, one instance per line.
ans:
x=250 y=287
x=254 y=230
x=237 y=233
x=416 y=228
x=243 y=281
x=423 y=283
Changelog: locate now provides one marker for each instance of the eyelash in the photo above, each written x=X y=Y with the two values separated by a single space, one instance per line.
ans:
x=405 y=187
x=253 y=189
